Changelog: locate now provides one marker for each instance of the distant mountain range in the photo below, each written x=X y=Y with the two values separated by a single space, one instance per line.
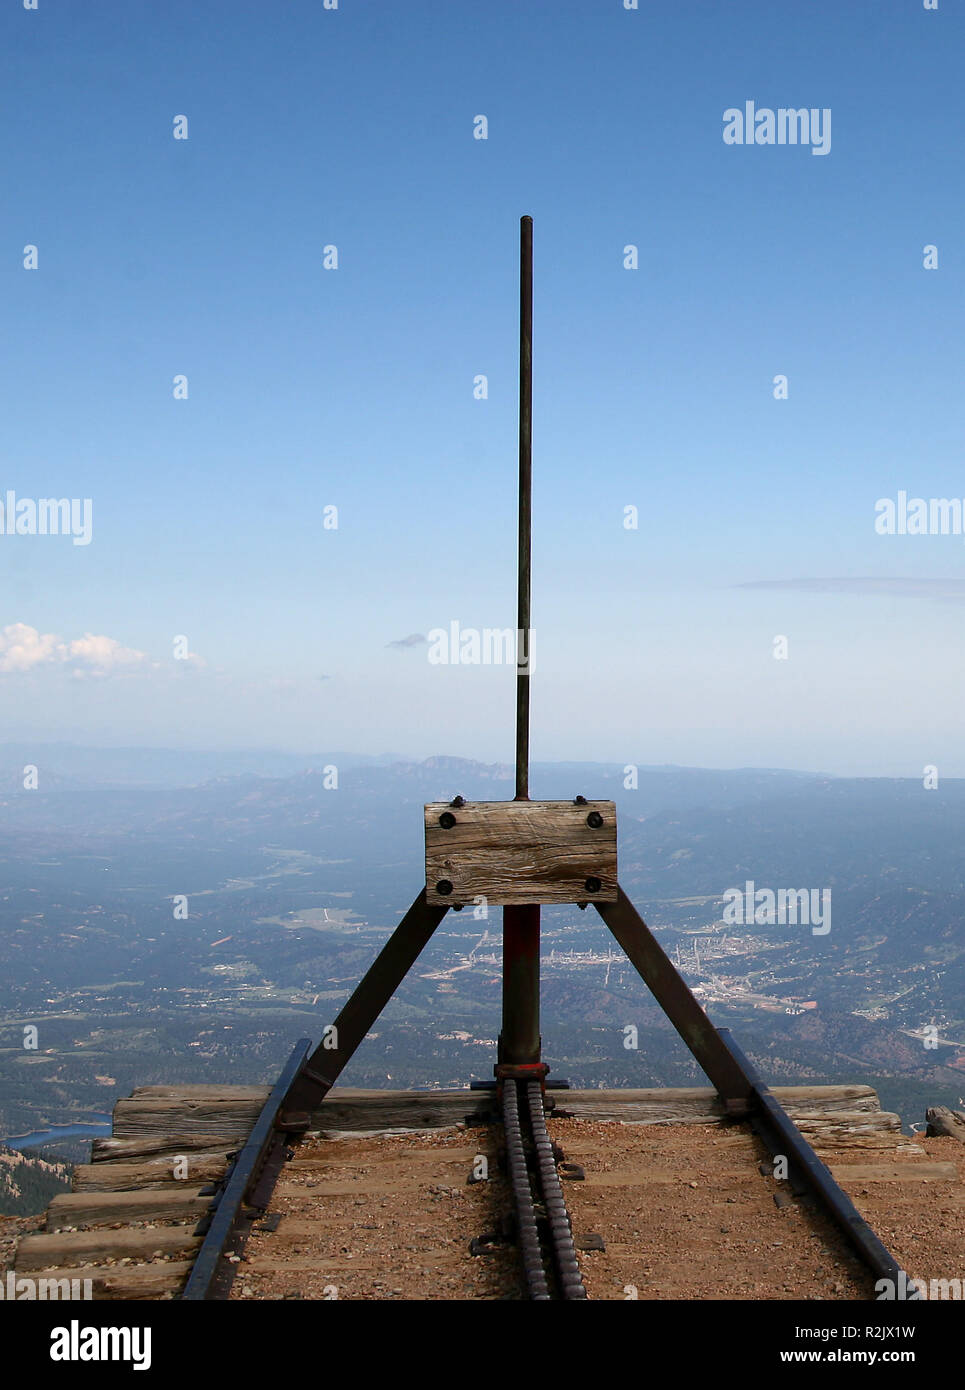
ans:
x=67 y=765
x=72 y=766
x=294 y=878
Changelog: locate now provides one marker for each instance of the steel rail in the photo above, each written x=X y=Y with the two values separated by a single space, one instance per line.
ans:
x=781 y=1136
x=561 y=1232
x=546 y=1246
x=527 y=1232
x=742 y=1092
x=246 y=1191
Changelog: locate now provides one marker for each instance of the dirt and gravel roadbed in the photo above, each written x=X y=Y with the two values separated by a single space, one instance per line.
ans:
x=383 y=1217
x=683 y=1212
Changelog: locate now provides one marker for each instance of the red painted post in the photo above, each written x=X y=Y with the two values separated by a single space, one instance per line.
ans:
x=519 y=1040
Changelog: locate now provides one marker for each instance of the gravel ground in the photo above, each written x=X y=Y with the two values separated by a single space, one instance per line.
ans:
x=684 y=1212
x=383 y=1217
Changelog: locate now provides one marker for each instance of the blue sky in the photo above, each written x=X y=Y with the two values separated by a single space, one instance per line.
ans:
x=353 y=387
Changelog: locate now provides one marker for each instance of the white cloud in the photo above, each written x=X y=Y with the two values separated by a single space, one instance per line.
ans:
x=22 y=648
x=103 y=653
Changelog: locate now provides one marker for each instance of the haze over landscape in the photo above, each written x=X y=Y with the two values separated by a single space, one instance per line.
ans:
x=159 y=929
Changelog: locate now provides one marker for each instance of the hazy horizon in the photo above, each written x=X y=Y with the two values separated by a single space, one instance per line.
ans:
x=389 y=757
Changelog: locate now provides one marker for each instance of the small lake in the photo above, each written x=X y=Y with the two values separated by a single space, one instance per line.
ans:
x=98 y=1127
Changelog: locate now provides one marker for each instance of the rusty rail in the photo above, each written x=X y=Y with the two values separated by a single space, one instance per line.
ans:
x=245 y=1191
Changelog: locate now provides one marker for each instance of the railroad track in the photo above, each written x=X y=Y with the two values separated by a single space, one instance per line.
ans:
x=543 y=1226
x=243 y=1194
x=806 y=1172
x=543 y=1229
x=132 y=1221
x=139 y=1226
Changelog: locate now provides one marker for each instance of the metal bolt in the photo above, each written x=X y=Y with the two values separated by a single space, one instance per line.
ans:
x=594 y=820
x=444 y=887
x=447 y=820
x=592 y=885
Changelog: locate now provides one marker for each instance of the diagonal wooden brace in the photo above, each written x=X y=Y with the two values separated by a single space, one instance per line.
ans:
x=390 y=967
x=672 y=994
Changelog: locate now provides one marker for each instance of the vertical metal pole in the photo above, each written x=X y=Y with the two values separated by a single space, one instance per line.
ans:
x=524 y=568
x=519 y=1040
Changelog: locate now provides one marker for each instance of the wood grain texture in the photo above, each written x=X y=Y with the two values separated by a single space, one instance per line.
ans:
x=163 y=1279
x=209 y=1091
x=154 y=1175
x=72 y=1209
x=858 y=1131
x=156 y=1117
x=347 y=1110
x=72 y=1248
x=521 y=852
x=945 y=1122
x=111 y=1150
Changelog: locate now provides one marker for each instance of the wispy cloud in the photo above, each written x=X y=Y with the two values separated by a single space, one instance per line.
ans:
x=413 y=640
x=938 y=590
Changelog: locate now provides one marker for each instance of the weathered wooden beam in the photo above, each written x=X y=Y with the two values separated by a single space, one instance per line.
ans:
x=844 y=1130
x=72 y=1248
x=330 y=1267
x=894 y=1172
x=219 y=1119
x=157 y=1174
x=256 y=1094
x=421 y=1155
x=351 y=1110
x=319 y=1073
x=700 y=1105
x=73 y=1209
x=945 y=1122
x=170 y=1146
x=521 y=852
x=162 y=1279
x=853 y=1121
